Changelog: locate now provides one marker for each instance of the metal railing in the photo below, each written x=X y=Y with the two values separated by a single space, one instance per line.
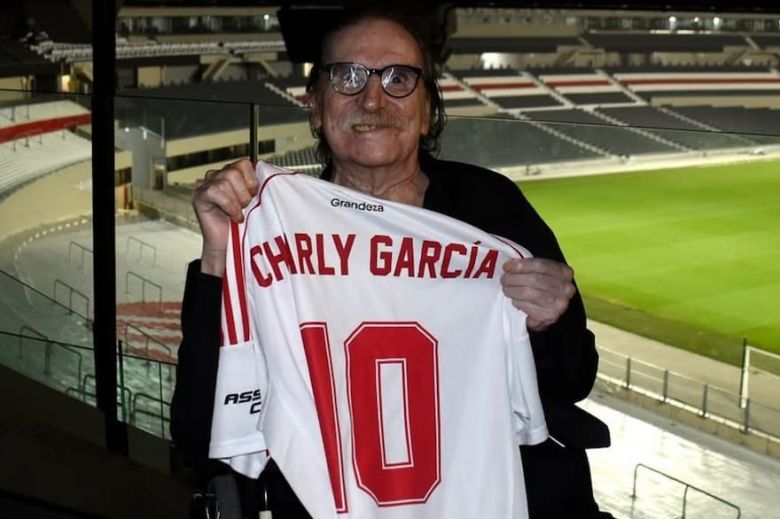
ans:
x=141 y=246
x=157 y=403
x=144 y=282
x=82 y=249
x=49 y=347
x=26 y=331
x=71 y=292
x=148 y=341
x=72 y=375
x=705 y=399
x=687 y=486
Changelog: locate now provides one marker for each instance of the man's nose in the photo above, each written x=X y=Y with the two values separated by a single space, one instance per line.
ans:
x=373 y=95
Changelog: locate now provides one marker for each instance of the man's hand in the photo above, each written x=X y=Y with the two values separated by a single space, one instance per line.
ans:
x=541 y=288
x=218 y=200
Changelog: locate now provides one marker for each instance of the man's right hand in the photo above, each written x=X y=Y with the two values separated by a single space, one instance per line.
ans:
x=218 y=200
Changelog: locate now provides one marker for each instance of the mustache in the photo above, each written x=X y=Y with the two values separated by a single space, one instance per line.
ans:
x=382 y=120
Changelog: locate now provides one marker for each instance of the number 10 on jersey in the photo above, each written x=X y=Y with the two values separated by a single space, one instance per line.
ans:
x=393 y=398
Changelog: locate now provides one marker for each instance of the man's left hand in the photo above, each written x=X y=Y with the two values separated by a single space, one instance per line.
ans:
x=540 y=287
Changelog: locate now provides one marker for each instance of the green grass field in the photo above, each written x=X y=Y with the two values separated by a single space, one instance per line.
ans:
x=689 y=256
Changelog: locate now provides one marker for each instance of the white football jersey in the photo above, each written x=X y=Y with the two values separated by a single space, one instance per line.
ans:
x=369 y=350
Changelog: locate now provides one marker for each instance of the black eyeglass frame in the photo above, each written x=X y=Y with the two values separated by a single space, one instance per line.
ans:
x=372 y=71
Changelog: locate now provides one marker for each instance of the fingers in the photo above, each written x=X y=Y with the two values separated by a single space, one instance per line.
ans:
x=539 y=287
x=228 y=190
x=540 y=266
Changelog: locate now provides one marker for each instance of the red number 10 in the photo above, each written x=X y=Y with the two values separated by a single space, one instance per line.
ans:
x=393 y=398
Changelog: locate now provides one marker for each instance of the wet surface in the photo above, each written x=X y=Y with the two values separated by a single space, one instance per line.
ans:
x=732 y=473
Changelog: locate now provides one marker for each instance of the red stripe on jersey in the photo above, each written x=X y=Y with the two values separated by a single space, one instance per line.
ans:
x=238 y=261
x=260 y=193
x=228 y=308
x=510 y=244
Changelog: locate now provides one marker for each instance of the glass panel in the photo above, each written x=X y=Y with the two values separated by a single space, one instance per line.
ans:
x=164 y=145
x=45 y=216
x=148 y=389
x=61 y=366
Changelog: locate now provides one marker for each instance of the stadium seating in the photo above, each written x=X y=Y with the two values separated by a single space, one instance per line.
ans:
x=508 y=88
x=501 y=143
x=294 y=87
x=25 y=159
x=303 y=160
x=647 y=42
x=674 y=127
x=71 y=52
x=601 y=133
x=767 y=41
x=187 y=119
x=16 y=55
x=704 y=82
x=478 y=45
x=586 y=87
x=30 y=112
x=457 y=95
x=761 y=123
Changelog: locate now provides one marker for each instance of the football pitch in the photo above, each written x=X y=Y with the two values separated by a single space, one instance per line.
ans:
x=688 y=256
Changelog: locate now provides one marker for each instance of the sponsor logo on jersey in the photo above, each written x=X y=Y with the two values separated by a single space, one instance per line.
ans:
x=255 y=396
x=360 y=206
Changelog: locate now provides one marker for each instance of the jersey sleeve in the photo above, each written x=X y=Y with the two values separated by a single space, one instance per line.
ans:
x=527 y=412
x=242 y=378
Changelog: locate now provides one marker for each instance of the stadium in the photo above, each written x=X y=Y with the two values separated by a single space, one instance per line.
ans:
x=646 y=138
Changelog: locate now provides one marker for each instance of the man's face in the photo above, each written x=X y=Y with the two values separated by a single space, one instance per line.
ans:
x=371 y=128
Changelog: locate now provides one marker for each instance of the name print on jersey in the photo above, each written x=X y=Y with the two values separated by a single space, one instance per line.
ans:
x=329 y=255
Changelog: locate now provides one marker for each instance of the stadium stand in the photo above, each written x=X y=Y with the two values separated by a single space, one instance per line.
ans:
x=586 y=87
x=459 y=96
x=478 y=45
x=31 y=112
x=295 y=87
x=183 y=121
x=508 y=88
x=600 y=98
x=710 y=81
x=674 y=127
x=74 y=52
x=627 y=42
x=303 y=160
x=16 y=56
x=760 y=123
x=598 y=132
x=25 y=159
x=500 y=143
x=767 y=41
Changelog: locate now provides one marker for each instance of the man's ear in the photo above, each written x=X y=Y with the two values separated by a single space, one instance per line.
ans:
x=315 y=118
x=425 y=127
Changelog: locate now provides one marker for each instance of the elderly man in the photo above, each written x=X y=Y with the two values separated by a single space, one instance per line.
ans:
x=377 y=112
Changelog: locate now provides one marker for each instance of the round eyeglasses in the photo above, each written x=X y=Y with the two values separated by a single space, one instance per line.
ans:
x=351 y=78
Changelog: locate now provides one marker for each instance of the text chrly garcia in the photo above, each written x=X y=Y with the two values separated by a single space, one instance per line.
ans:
x=337 y=254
